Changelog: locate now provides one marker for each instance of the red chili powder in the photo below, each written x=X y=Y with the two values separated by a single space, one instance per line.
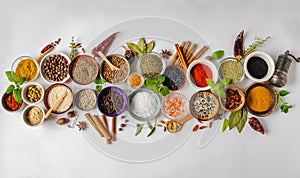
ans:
x=200 y=72
x=12 y=103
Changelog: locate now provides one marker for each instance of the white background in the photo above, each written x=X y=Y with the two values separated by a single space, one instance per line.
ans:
x=52 y=151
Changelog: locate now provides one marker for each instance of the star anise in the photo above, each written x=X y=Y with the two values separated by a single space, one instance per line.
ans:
x=81 y=125
x=165 y=53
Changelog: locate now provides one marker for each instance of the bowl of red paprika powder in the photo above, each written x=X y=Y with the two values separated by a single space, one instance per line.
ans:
x=198 y=71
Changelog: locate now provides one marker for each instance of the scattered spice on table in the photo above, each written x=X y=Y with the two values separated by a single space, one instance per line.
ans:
x=203 y=105
x=135 y=80
x=233 y=70
x=115 y=76
x=233 y=99
x=55 y=68
x=175 y=77
x=84 y=70
x=200 y=72
x=26 y=68
x=174 y=106
x=257 y=67
x=11 y=103
x=111 y=102
x=151 y=65
x=86 y=99
x=34 y=93
x=259 y=99
x=143 y=104
x=34 y=116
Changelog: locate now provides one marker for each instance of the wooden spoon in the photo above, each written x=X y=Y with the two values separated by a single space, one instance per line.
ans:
x=38 y=59
x=112 y=67
x=174 y=126
x=55 y=105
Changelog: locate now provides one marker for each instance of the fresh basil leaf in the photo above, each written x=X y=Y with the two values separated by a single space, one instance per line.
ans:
x=161 y=79
x=133 y=47
x=285 y=107
x=150 y=46
x=17 y=95
x=98 y=87
x=10 y=76
x=225 y=124
x=234 y=118
x=164 y=91
x=10 y=89
x=99 y=80
x=21 y=80
x=151 y=132
x=278 y=98
x=210 y=82
x=142 y=45
x=217 y=54
x=243 y=121
x=221 y=93
x=283 y=92
x=139 y=129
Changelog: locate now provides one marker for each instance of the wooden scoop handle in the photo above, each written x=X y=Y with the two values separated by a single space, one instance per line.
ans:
x=186 y=118
x=107 y=61
x=55 y=105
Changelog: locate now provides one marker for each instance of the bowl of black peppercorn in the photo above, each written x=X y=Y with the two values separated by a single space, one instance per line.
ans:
x=259 y=66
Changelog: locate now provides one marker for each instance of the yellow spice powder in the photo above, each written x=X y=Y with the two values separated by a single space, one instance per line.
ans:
x=259 y=99
x=26 y=68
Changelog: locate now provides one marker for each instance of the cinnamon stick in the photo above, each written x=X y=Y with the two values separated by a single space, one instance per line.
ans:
x=174 y=58
x=190 y=51
x=104 y=120
x=89 y=118
x=184 y=51
x=102 y=129
x=198 y=54
x=113 y=128
x=180 y=55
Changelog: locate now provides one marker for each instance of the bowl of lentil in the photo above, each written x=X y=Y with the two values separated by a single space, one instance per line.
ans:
x=234 y=100
x=175 y=105
x=151 y=65
x=261 y=99
x=231 y=68
x=55 y=67
x=85 y=99
x=33 y=115
x=25 y=66
x=198 y=71
x=143 y=104
x=112 y=101
x=204 y=105
x=115 y=76
x=83 y=69
x=259 y=66
x=32 y=93
x=10 y=104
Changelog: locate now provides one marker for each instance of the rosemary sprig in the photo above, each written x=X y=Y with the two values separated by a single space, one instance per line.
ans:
x=257 y=43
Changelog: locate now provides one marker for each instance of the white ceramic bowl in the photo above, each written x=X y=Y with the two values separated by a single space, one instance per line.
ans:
x=21 y=58
x=25 y=112
x=206 y=62
x=6 y=108
x=267 y=58
x=130 y=78
x=25 y=89
x=163 y=61
x=42 y=68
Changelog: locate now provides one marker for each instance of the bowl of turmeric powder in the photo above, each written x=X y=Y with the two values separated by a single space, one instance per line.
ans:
x=25 y=66
x=261 y=99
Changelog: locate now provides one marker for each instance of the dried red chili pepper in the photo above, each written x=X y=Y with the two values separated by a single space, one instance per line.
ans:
x=256 y=125
x=203 y=127
x=104 y=45
x=238 y=48
x=195 y=128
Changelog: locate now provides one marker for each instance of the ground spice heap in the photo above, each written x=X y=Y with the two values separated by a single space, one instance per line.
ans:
x=115 y=76
x=232 y=70
x=200 y=73
x=257 y=67
x=11 y=103
x=34 y=116
x=26 y=68
x=259 y=99
x=84 y=71
x=151 y=65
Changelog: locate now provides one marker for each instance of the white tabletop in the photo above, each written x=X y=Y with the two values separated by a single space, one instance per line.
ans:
x=52 y=151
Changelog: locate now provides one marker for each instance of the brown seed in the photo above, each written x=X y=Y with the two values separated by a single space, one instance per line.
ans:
x=123 y=117
x=62 y=121
x=165 y=128
x=162 y=122
x=202 y=127
x=210 y=124
x=120 y=129
x=126 y=120
x=123 y=125
x=195 y=128
x=71 y=114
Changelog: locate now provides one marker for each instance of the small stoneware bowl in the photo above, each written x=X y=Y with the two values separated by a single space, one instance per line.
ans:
x=237 y=74
x=20 y=59
x=26 y=88
x=224 y=100
x=8 y=109
x=37 y=118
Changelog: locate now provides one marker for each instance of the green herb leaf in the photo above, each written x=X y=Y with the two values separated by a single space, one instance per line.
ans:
x=11 y=76
x=283 y=92
x=210 y=82
x=243 y=120
x=164 y=91
x=151 y=132
x=225 y=124
x=21 y=80
x=285 y=107
x=257 y=43
x=142 y=45
x=17 y=95
x=139 y=129
x=98 y=87
x=278 y=98
x=133 y=47
x=221 y=93
x=150 y=46
x=234 y=119
x=225 y=81
x=161 y=79
x=217 y=54
x=10 y=89
x=150 y=126
x=100 y=80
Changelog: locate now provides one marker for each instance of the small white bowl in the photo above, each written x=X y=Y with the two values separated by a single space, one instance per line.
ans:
x=206 y=62
x=25 y=113
x=42 y=68
x=25 y=89
x=267 y=58
x=21 y=58
x=130 y=78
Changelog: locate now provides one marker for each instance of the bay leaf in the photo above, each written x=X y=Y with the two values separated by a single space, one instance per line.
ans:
x=139 y=129
x=142 y=45
x=234 y=118
x=150 y=46
x=225 y=124
x=133 y=47
x=240 y=126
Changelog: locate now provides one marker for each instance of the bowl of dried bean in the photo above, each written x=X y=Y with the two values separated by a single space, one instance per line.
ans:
x=234 y=100
x=115 y=76
x=32 y=93
x=112 y=101
x=55 y=67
